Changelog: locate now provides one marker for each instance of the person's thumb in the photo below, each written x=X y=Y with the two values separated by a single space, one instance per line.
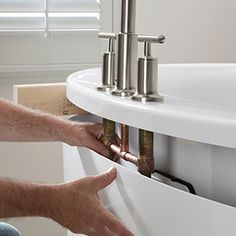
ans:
x=105 y=179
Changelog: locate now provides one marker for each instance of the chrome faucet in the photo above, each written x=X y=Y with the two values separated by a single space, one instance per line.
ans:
x=128 y=82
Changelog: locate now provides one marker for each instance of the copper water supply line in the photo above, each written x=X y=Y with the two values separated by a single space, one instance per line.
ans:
x=145 y=160
x=124 y=143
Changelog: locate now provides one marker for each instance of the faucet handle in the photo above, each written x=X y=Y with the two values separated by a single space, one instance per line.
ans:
x=111 y=37
x=108 y=67
x=148 y=40
x=106 y=35
x=147 y=86
x=152 y=39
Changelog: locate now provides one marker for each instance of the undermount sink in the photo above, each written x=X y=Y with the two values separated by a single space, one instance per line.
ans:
x=194 y=138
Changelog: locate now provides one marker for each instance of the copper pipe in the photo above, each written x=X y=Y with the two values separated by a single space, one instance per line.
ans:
x=124 y=145
x=127 y=156
x=146 y=160
x=131 y=158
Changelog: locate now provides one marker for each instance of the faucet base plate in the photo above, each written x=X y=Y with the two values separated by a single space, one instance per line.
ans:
x=122 y=93
x=147 y=98
x=105 y=88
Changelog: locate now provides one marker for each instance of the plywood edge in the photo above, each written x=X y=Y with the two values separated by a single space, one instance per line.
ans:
x=50 y=98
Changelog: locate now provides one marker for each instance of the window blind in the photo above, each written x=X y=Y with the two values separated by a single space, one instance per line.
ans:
x=49 y=15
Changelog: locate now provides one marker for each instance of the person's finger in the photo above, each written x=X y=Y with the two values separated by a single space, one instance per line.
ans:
x=103 y=231
x=97 y=130
x=98 y=147
x=115 y=225
x=103 y=180
x=99 y=229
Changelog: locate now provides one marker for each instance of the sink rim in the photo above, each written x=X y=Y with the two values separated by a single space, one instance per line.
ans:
x=177 y=117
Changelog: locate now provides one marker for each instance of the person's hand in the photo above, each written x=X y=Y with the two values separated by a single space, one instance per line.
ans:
x=85 y=135
x=78 y=208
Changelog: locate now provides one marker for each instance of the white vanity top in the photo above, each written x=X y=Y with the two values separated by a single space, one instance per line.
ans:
x=195 y=105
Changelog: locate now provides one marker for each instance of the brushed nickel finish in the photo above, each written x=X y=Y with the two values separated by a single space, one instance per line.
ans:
x=127 y=51
x=152 y=39
x=128 y=16
x=108 y=68
x=138 y=80
x=147 y=87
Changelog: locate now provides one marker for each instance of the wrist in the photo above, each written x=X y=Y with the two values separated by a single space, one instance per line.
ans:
x=37 y=200
x=68 y=132
x=59 y=128
x=22 y=199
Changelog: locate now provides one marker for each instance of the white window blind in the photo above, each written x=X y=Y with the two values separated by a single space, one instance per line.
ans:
x=71 y=27
x=49 y=15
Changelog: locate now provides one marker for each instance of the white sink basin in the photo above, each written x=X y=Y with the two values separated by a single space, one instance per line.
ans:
x=195 y=140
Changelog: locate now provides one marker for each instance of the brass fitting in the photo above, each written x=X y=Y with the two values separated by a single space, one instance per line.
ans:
x=109 y=135
x=145 y=160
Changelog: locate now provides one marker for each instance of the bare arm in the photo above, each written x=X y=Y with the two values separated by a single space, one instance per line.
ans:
x=21 y=124
x=74 y=205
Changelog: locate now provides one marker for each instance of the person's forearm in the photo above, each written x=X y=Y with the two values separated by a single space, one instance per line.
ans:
x=18 y=123
x=19 y=199
x=67 y=204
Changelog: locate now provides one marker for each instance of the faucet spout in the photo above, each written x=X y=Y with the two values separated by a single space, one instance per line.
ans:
x=128 y=15
x=127 y=51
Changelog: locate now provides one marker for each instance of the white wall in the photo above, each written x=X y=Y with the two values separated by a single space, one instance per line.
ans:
x=196 y=30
